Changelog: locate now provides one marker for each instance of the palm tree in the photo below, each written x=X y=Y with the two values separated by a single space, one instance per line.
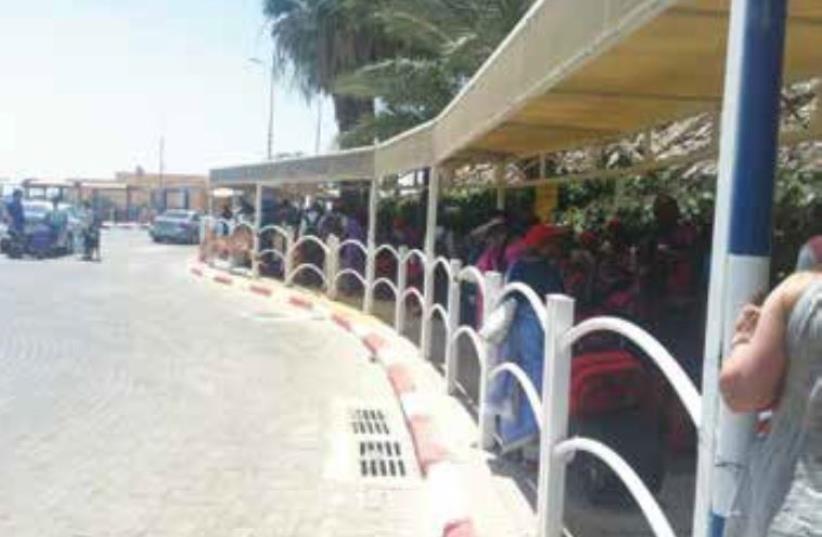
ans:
x=317 y=40
x=444 y=43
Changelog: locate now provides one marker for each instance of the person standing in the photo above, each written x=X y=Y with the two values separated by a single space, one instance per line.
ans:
x=538 y=268
x=17 y=216
x=776 y=362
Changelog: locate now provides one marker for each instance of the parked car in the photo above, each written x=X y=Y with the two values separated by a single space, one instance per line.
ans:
x=177 y=226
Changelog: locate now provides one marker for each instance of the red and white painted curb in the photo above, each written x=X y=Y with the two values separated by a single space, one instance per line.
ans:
x=435 y=461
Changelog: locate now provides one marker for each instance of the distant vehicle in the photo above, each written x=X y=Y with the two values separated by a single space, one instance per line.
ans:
x=4 y=236
x=177 y=226
x=47 y=231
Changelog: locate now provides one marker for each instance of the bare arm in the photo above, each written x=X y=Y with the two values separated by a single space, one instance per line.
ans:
x=752 y=375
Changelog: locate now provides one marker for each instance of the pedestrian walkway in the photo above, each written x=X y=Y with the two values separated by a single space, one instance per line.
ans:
x=135 y=402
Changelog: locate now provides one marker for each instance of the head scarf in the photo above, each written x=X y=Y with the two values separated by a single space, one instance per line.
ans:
x=540 y=234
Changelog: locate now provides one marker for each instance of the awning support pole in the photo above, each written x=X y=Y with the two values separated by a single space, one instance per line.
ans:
x=258 y=225
x=371 y=258
x=742 y=237
x=499 y=180
x=430 y=256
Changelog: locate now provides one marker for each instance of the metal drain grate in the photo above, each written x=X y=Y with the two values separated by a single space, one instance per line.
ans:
x=369 y=421
x=381 y=459
x=371 y=446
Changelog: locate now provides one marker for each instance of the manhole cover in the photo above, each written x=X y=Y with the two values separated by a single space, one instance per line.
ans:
x=381 y=459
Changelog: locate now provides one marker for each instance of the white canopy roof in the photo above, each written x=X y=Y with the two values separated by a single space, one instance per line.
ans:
x=571 y=73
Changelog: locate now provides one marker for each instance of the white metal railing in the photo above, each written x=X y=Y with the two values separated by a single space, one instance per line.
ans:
x=282 y=240
x=551 y=406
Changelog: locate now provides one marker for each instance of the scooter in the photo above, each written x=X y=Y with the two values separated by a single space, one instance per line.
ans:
x=16 y=245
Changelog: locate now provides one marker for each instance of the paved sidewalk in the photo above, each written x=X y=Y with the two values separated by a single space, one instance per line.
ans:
x=137 y=402
x=484 y=489
x=500 y=494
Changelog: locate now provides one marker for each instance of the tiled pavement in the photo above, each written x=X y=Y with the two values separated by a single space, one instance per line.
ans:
x=134 y=402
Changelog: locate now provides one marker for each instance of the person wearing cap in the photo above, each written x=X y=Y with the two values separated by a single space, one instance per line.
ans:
x=538 y=269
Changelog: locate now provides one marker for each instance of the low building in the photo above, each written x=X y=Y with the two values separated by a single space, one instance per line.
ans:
x=129 y=196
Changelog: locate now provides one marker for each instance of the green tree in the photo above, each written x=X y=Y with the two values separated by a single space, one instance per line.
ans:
x=444 y=42
x=318 y=40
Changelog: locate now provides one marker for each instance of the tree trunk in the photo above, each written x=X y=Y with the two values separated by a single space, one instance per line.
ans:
x=349 y=111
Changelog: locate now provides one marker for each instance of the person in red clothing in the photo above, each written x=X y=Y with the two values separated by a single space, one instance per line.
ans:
x=672 y=290
x=675 y=242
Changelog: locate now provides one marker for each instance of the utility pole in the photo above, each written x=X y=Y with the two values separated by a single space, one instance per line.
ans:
x=160 y=182
x=270 y=146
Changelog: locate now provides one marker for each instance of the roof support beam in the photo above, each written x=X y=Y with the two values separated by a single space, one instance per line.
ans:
x=666 y=97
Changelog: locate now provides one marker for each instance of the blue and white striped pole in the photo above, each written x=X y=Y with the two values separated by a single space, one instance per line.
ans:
x=742 y=234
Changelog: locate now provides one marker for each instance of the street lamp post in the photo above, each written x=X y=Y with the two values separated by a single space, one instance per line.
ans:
x=272 y=76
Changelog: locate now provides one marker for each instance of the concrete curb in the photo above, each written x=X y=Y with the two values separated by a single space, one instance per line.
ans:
x=125 y=225
x=433 y=457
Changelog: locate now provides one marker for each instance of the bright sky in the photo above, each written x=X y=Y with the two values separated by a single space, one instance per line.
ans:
x=88 y=87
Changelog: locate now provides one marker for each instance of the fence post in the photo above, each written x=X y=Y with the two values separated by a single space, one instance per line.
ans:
x=370 y=277
x=452 y=323
x=371 y=245
x=288 y=264
x=258 y=223
x=430 y=257
x=556 y=380
x=402 y=283
x=493 y=288
x=429 y=274
x=332 y=265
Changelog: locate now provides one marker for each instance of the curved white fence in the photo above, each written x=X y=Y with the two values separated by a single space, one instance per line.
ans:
x=356 y=244
x=351 y=273
x=555 y=314
x=390 y=249
x=524 y=382
x=386 y=283
x=643 y=497
x=673 y=372
x=311 y=239
x=272 y=251
x=279 y=230
x=411 y=254
x=306 y=267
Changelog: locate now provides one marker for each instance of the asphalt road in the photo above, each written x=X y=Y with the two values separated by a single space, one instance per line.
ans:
x=137 y=401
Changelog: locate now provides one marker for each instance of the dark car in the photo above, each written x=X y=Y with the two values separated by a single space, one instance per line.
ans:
x=177 y=226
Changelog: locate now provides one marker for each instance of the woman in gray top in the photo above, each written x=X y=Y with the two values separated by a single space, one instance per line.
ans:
x=776 y=361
